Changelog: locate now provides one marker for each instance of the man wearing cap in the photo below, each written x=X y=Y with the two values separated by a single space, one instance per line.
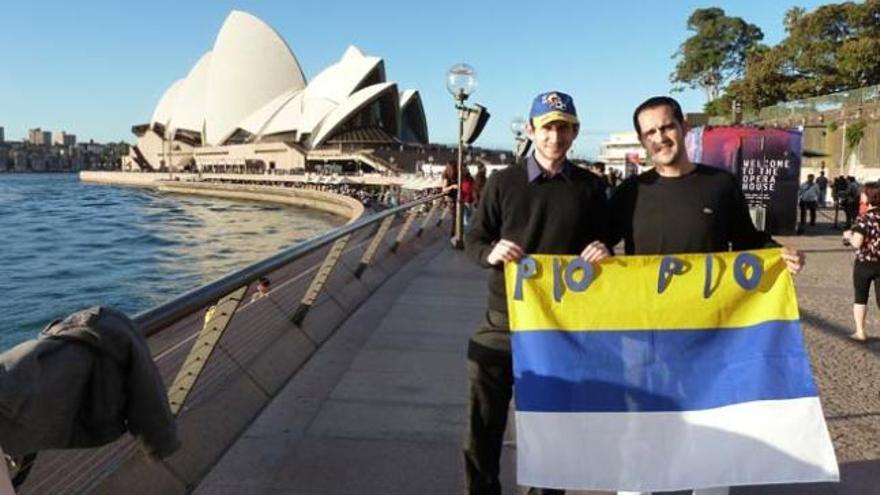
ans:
x=545 y=205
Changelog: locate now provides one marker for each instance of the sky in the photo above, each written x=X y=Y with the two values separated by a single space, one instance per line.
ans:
x=95 y=68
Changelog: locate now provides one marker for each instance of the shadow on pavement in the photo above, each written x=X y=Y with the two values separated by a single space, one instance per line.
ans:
x=839 y=331
x=832 y=250
x=856 y=478
x=825 y=224
x=844 y=417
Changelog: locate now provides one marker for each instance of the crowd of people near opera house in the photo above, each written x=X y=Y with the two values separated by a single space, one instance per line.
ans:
x=844 y=193
x=373 y=197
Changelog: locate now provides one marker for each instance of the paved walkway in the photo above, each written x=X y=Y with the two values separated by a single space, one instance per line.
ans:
x=380 y=408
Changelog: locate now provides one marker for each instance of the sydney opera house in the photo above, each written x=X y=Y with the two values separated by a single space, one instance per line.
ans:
x=246 y=106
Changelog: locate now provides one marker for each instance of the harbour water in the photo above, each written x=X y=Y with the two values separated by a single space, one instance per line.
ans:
x=66 y=245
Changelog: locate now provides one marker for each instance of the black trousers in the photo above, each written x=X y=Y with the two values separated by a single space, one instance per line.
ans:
x=864 y=273
x=811 y=207
x=490 y=388
x=851 y=210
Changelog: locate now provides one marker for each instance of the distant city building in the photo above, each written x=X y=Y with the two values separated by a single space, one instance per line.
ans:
x=2 y=135
x=27 y=157
x=5 y=161
x=246 y=106
x=61 y=138
x=621 y=148
x=36 y=136
x=39 y=137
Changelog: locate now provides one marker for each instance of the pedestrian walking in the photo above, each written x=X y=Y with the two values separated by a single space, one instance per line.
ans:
x=822 y=182
x=851 y=195
x=808 y=200
x=865 y=237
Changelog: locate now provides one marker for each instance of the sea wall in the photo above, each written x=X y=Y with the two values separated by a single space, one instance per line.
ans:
x=336 y=204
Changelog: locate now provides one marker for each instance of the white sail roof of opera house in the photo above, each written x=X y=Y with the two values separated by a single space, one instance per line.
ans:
x=343 y=78
x=412 y=117
x=251 y=65
x=189 y=107
x=162 y=112
x=356 y=102
x=252 y=82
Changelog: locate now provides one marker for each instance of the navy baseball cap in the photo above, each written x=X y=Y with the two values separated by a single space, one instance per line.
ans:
x=552 y=106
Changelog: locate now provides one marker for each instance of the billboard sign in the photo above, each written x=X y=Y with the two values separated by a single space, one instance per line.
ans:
x=767 y=163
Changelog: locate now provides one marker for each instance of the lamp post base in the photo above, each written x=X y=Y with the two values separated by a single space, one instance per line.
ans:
x=456 y=243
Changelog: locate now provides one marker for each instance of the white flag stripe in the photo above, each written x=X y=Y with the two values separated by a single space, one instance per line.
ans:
x=752 y=443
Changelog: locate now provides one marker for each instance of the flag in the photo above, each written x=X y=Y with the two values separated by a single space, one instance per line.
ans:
x=657 y=373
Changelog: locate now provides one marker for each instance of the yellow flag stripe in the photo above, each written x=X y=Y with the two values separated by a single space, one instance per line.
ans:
x=624 y=293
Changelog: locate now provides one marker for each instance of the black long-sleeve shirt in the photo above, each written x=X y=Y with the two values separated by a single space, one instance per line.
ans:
x=702 y=211
x=546 y=215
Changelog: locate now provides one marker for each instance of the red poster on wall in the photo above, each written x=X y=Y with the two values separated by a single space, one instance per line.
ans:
x=767 y=163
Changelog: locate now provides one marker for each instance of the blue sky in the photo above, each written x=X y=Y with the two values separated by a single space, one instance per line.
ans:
x=94 y=68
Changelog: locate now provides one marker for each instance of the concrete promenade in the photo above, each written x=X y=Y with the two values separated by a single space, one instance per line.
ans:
x=380 y=407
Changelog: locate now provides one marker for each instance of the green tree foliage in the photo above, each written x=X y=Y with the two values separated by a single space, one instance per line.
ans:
x=764 y=84
x=716 y=52
x=719 y=107
x=855 y=132
x=834 y=48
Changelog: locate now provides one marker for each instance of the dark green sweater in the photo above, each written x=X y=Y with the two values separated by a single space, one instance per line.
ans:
x=558 y=215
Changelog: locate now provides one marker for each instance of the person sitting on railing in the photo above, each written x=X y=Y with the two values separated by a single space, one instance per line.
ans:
x=82 y=383
x=264 y=285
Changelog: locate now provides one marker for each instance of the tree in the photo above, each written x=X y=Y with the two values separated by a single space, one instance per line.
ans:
x=765 y=84
x=829 y=50
x=719 y=107
x=716 y=53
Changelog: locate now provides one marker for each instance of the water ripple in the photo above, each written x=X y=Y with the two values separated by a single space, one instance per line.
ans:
x=68 y=245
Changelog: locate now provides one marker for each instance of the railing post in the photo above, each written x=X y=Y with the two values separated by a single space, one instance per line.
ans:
x=427 y=220
x=154 y=319
x=443 y=213
x=404 y=229
x=216 y=321
x=320 y=280
x=384 y=227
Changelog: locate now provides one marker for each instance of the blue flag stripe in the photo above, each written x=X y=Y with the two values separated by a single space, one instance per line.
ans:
x=681 y=370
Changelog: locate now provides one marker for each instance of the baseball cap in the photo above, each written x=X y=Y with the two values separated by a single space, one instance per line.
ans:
x=551 y=106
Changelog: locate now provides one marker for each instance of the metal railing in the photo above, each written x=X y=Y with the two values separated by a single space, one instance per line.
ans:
x=225 y=355
x=157 y=318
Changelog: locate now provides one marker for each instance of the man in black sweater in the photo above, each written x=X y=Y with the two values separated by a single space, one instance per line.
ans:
x=680 y=206
x=547 y=206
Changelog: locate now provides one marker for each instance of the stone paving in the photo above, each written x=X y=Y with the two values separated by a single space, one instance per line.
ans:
x=847 y=372
x=380 y=408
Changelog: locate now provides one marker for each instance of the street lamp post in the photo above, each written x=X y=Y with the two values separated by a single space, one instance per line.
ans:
x=461 y=81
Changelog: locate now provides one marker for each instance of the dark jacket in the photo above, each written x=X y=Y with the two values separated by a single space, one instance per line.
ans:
x=82 y=383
